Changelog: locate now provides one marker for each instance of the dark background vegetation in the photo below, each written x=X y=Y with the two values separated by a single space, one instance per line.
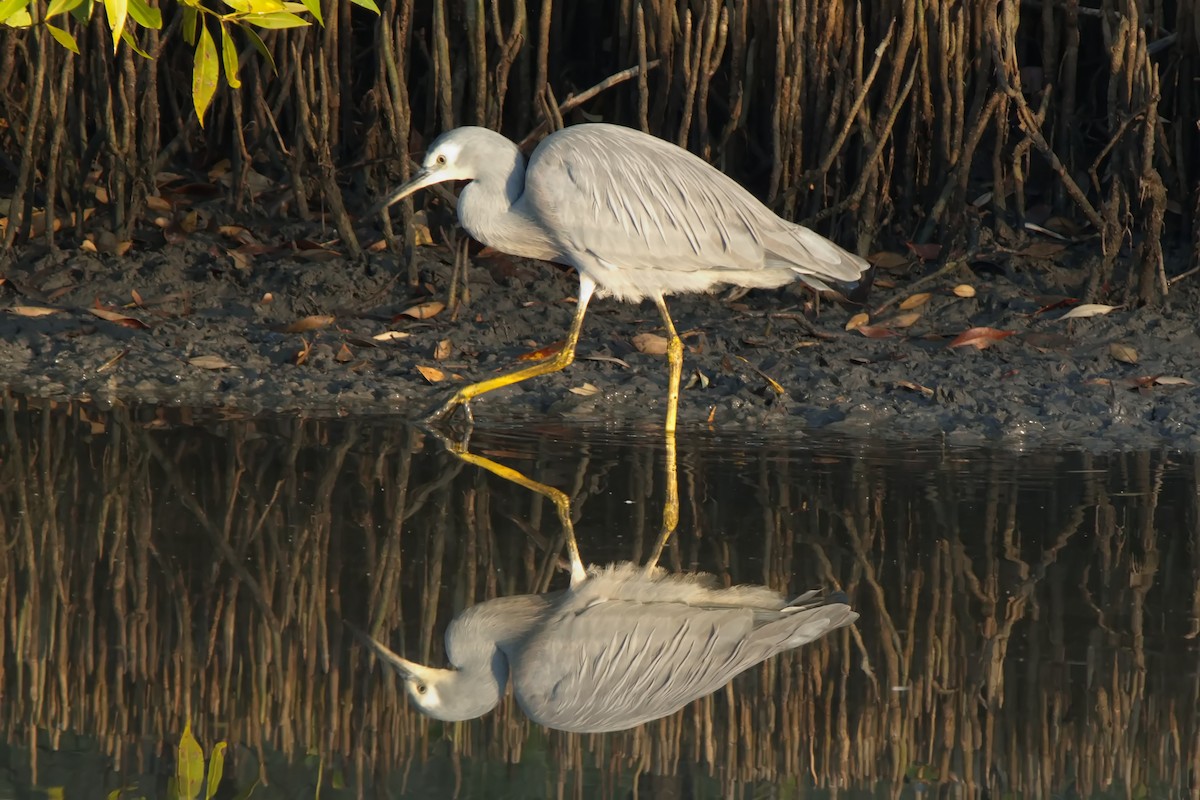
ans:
x=879 y=123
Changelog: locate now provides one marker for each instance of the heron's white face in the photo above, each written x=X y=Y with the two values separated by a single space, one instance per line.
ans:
x=445 y=162
x=424 y=694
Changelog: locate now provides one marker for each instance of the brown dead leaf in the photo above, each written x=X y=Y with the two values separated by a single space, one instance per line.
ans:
x=888 y=260
x=238 y=233
x=421 y=235
x=858 y=320
x=442 y=351
x=1043 y=249
x=651 y=344
x=344 y=354
x=302 y=356
x=313 y=322
x=876 y=332
x=192 y=222
x=116 y=316
x=587 y=390
x=1172 y=380
x=915 y=300
x=390 y=336
x=915 y=387
x=1123 y=352
x=210 y=362
x=904 y=320
x=377 y=246
x=424 y=310
x=980 y=338
x=1088 y=310
x=136 y=297
x=929 y=251
x=541 y=353
x=431 y=374
x=33 y=311
x=964 y=290
x=157 y=203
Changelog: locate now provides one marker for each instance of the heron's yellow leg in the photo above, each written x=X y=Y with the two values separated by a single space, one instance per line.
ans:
x=675 y=363
x=670 y=503
x=562 y=504
x=557 y=363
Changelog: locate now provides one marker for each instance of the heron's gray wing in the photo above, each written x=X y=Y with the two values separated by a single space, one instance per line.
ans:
x=648 y=213
x=618 y=664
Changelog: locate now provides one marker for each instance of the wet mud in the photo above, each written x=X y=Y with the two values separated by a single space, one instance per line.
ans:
x=304 y=332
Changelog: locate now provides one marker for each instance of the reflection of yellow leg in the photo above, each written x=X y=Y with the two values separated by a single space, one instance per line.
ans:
x=562 y=504
x=675 y=362
x=559 y=362
x=670 y=503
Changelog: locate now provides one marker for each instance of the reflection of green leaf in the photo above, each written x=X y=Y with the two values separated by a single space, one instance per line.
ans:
x=63 y=38
x=279 y=19
x=189 y=763
x=257 y=41
x=369 y=5
x=230 y=57
x=117 y=11
x=10 y=7
x=216 y=759
x=204 y=73
x=145 y=16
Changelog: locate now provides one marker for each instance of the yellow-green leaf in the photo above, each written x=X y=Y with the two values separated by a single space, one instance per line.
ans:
x=145 y=16
x=10 y=7
x=216 y=768
x=264 y=6
x=83 y=12
x=189 y=765
x=130 y=42
x=117 y=11
x=240 y=6
x=57 y=7
x=204 y=72
x=63 y=38
x=189 y=24
x=279 y=19
x=260 y=46
x=313 y=7
x=21 y=19
x=369 y=5
x=230 y=57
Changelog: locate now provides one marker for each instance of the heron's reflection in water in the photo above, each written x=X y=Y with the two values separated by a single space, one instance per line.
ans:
x=623 y=645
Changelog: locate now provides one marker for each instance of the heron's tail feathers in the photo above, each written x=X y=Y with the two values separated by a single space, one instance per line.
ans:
x=811 y=615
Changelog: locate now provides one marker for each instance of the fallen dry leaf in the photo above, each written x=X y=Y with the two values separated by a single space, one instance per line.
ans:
x=541 y=353
x=210 y=362
x=904 y=320
x=442 y=351
x=157 y=203
x=344 y=354
x=1043 y=249
x=1088 y=310
x=33 y=311
x=136 y=296
x=888 y=260
x=915 y=300
x=421 y=235
x=310 y=323
x=964 y=290
x=857 y=321
x=1123 y=352
x=302 y=356
x=915 y=387
x=390 y=336
x=119 y=318
x=925 y=252
x=424 y=310
x=876 y=332
x=431 y=374
x=1172 y=380
x=651 y=344
x=587 y=390
x=980 y=338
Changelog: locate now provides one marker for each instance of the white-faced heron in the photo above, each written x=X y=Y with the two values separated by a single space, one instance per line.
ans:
x=636 y=216
x=622 y=646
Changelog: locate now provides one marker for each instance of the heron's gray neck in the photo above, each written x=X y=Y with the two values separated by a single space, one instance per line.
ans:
x=490 y=209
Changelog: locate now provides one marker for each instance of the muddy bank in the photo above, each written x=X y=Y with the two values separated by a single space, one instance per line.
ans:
x=245 y=333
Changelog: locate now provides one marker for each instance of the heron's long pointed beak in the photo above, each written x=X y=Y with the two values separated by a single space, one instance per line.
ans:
x=423 y=178
x=406 y=668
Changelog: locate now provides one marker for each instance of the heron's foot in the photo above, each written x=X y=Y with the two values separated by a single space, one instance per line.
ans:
x=452 y=423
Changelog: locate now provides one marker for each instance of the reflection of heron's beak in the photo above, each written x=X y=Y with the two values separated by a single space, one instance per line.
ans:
x=423 y=178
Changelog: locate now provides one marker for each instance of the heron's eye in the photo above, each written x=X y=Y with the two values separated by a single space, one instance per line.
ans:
x=420 y=688
x=441 y=161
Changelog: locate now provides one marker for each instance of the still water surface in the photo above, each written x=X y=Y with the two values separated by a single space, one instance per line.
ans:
x=1028 y=624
